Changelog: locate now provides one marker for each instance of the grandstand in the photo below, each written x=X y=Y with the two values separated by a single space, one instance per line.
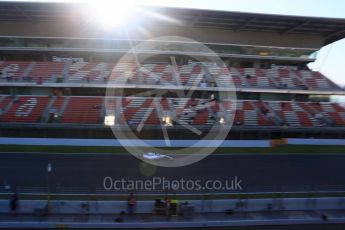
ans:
x=57 y=84
x=84 y=109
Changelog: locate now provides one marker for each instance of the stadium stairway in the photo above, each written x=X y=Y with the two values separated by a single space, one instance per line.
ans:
x=65 y=70
x=47 y=110
x=28 y=69
x=316 y=113
x=272 y=74
x=265 y=114
x=55 y=108
x=5 y=104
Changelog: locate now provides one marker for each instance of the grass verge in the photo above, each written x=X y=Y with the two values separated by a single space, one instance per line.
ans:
x=285 y=149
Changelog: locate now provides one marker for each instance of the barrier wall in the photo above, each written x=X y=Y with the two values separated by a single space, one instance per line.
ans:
x=301 y=141
x=162 y=143
x=137 y=142
x=200 y=206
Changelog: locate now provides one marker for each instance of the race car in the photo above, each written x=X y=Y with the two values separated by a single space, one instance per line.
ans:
x=156 y=156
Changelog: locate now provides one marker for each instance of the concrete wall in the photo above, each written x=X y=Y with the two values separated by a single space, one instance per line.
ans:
x=303 y=141
x=137 y=142
x=251 y=205
x=161 y=143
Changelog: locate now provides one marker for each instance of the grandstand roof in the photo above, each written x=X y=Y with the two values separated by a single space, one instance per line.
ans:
x=330 y=29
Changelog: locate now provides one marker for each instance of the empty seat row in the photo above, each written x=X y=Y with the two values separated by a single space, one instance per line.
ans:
x=148 y=110
x=24 y=109
x=189 y=74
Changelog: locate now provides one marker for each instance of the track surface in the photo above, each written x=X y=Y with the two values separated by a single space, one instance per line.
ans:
x=86 y=172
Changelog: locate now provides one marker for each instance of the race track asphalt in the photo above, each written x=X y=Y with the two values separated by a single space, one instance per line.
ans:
x=27 y=172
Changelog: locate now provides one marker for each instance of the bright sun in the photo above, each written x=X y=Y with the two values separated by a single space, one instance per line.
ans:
x=110 y=14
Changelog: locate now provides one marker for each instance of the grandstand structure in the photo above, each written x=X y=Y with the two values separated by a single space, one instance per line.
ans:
x=53 y=78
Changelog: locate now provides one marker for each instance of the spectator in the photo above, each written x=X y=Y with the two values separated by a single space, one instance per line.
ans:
x=59 y=79
x=131 y=204
x=160 y=207
x=212 y=97
x=324 y=217
x=14 y=203
x=203 y=84
x=264 y=110
x=269 y=207
x=171 y=94
x=39 y=81
x=192 y=113
x=16 y=99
